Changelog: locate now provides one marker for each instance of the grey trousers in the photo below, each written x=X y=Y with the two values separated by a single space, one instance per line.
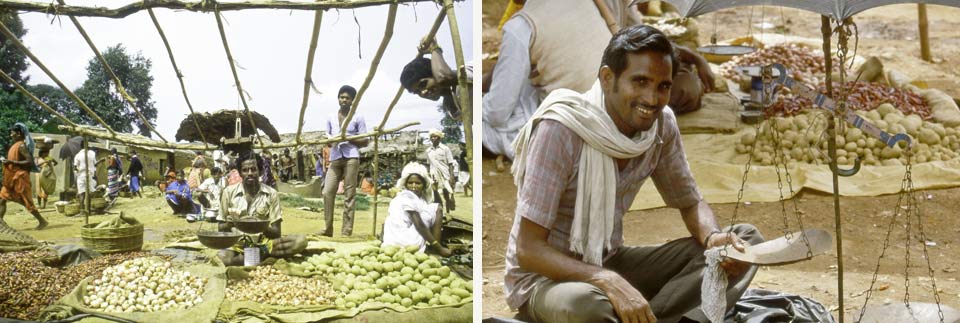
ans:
x=668 y=276
x=341 y=169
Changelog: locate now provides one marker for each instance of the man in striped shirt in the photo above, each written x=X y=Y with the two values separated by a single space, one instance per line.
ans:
x=579 y=165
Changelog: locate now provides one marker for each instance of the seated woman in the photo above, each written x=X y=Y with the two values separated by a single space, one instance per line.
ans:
x=253 y=199
x=179 y=197
x=412 y=220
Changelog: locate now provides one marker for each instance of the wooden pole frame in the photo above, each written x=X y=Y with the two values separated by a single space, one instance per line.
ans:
x=113 y=76
x=36 y=100
x=466 y=106
x=195 y=6
x=183 y=87
x=138 y=140
x=236 y=78
x=308 y=75
x=387 y=35
x=23 y=48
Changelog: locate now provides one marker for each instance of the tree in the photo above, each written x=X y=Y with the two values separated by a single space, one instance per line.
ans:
x=57 y=99
x=451 y=129
x=15 y=108
x=12 y=60
x=100 y=94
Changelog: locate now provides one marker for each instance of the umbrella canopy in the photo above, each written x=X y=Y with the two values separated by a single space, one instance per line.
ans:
x=71 y=148
x=837 y=9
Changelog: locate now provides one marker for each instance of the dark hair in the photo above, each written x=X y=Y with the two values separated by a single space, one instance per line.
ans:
x=417 y=69
x=349 y=90
x=243 y=158
x=17 y=129
x=216 y=170
x=633 y=40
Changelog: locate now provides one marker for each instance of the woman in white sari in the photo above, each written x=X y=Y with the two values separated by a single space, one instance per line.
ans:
x=412 y=219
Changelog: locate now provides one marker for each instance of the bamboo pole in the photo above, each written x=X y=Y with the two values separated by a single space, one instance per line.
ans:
x=86 y=186
x=12 y=38
x=113 y=76
x=376 y=180
x=924 y=32
x=236 y=78
x=183 y=87
x=430 y=35
x=466 y=108
x=307 y=77
x=387 y=34
x=36 y=100
x=195 y=6
x=607 y=16
x=146 y=142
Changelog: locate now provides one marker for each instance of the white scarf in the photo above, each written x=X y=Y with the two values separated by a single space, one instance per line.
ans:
x=595 y=207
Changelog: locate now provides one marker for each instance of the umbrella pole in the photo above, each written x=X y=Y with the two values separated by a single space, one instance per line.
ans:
x=832 y=151
x=924 y=32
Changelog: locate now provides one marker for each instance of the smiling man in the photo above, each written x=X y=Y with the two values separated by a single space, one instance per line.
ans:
x=253 y=199
x=580 y=163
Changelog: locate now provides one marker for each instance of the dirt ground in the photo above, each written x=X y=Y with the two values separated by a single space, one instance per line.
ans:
x=888 y=32
x=161 y=228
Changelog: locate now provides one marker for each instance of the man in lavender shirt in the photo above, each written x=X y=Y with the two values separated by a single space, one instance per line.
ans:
x=344 y=162
x=623 y=119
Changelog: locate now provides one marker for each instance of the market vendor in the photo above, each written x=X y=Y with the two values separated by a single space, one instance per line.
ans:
x=541 y=52
x=412 y=219
x=580 y=163
x=16 y=173
x=251 y=198
x=180 y=197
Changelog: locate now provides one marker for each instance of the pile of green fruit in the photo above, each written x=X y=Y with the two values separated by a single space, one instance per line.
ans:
x=389 y=275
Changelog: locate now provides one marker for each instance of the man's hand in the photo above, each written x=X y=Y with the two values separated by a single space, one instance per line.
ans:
x=444 y=252
x=732 y=266
x=427 y=45
x=706 y=77
x=627 y=301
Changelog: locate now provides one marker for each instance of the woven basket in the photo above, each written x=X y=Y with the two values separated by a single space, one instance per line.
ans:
x=71 y=209
x=60 y=208
x=111 y=240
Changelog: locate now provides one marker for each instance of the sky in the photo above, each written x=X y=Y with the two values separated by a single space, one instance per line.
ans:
x=270 y=49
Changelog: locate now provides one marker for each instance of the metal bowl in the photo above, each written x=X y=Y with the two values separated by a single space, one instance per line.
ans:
x=252 y=225
x=719 y=54
x=218 y=240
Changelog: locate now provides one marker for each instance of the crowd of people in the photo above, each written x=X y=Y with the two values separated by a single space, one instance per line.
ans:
x=244 y=184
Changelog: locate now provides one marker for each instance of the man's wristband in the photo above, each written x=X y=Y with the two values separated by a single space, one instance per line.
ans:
x=707 y=239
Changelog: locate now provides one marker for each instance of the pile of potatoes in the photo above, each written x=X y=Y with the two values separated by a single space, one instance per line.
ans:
x=802 y=138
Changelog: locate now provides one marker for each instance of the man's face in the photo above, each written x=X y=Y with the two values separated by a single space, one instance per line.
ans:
x=426 y=88
x=435 y=139
x=15 y=136
x=345 y=99
x=180 y=177
x=249 y=171
x=635 y=99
